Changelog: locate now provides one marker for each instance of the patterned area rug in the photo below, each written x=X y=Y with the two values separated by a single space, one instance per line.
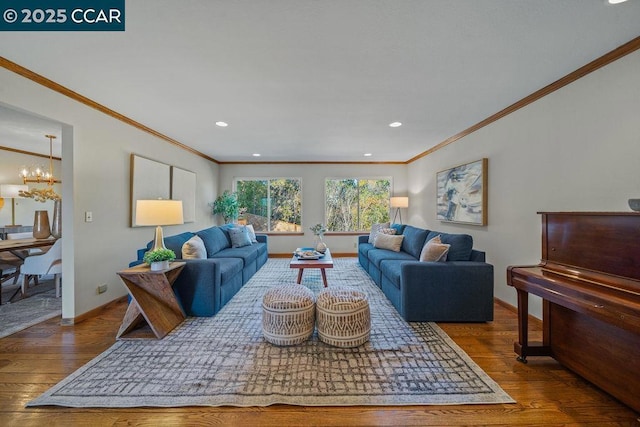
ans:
x=29 y=311
x=223 y=360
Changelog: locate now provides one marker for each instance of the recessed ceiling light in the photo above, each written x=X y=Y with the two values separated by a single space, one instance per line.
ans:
x=256 y=154
x=368 y=154
x=616 y=1
x=222 y=124
x=395 y=124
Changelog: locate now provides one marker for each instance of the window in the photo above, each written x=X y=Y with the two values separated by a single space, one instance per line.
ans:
x=354 y=204
x=271 y=204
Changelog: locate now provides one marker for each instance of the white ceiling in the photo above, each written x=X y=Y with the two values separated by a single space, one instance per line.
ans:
x=320 y=80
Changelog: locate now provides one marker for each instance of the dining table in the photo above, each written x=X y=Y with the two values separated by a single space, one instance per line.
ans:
x=20 y=247
x=15 y=246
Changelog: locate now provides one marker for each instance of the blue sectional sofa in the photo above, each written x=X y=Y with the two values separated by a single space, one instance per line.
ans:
x=206 y=285
x=457 y=290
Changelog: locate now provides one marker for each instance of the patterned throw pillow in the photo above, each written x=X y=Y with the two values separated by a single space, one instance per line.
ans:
x=239 y=237
x=391 y=231
x=434 y=250
x=252 y=233
x=375 y=229
x=194 y=249
x=388 y=241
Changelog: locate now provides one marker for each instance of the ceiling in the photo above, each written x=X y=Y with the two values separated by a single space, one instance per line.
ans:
x=320 y=80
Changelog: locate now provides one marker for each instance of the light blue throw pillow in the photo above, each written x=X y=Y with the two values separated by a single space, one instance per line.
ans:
x=239 y=237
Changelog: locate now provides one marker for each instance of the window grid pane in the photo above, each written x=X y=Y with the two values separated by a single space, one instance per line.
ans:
x=355 y=204
x=271 y=205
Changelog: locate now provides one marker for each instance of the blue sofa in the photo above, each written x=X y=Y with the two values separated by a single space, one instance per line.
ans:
x=206 y=285
x=457 y=290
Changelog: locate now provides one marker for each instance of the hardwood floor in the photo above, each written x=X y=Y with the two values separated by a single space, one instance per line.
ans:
x=33 y=360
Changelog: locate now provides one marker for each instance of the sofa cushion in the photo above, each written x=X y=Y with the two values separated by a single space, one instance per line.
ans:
x=247 y=254
x=194 y=249
x=392 y=270
x=175 y=242
x=434 y=250
x=225 y=229
x=376 y=256
x=364 y=248
x=214 y=240
x=461 y=245
x=239 y=237
x=388 y=241
x=229 y=267
x=375 y=229
x=414 y=239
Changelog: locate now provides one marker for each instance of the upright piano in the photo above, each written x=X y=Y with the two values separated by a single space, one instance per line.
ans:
x=589 y=282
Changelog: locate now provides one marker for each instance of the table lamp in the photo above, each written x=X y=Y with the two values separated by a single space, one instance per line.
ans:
x=399 y=202
x=158 y=213
x=10 y=191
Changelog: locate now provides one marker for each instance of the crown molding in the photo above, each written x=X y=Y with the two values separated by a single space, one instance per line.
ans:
x=50 y=84
x=15 y=150
x=592 y=66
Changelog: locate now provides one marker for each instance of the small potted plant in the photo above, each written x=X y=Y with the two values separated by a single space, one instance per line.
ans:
x=159 y=259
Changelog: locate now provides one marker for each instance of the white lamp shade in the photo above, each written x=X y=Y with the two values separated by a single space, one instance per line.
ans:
x=399 y=202
x=11 y=191
x=159 y=212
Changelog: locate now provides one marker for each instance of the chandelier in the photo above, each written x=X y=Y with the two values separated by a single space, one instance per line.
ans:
x=37 y=173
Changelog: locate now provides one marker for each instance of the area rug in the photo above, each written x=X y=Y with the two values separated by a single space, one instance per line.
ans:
x=224 y=360
x=29 y=311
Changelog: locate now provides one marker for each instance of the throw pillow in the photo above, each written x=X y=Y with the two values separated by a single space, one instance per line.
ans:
x=388 y=241
x=434 y=250
x=387 y=231
x=194 y=249
x=375 y=229
x=239 y=237
x=252 y=233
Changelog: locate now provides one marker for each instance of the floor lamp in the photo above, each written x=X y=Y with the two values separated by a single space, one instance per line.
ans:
x=10 y=191
x=398 y=203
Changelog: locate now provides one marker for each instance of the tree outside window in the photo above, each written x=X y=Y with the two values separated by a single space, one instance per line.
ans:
x=271 y=204
x=354 y=204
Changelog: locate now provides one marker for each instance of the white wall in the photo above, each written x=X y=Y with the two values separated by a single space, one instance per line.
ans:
x=10 y=162
x=96 y=150
x=574 y=150
x=313 y=177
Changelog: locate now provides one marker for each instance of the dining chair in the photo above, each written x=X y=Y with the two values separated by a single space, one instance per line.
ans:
x=9 y=269
x=48 y=263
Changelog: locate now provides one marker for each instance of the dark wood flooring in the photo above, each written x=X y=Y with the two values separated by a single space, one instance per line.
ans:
x=35 y=359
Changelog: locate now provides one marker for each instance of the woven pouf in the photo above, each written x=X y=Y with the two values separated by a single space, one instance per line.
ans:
x=343 y=317
x=288 y=314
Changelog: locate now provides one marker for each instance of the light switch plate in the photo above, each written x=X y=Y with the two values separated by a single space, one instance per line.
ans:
x=88 y=216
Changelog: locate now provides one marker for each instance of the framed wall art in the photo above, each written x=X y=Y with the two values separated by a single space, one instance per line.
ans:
x=183 y=187
x=149 y=180
x=462 y=193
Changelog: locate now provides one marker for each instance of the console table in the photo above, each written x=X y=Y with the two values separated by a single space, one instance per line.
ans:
x=154 y=310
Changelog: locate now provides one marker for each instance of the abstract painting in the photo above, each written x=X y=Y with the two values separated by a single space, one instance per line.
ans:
x=462 y=193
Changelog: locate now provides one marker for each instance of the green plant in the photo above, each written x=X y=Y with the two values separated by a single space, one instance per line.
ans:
x=226 y=205
x=159 y=255
x=318 y=229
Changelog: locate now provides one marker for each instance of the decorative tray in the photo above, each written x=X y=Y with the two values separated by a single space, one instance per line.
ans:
x=307 y=253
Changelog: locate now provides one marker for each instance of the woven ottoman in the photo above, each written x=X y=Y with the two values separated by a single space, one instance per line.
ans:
x=343 y=317
x=288 y=315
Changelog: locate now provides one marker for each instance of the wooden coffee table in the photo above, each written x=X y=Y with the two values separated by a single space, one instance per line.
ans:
x=154 y=310
x=323 y=263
